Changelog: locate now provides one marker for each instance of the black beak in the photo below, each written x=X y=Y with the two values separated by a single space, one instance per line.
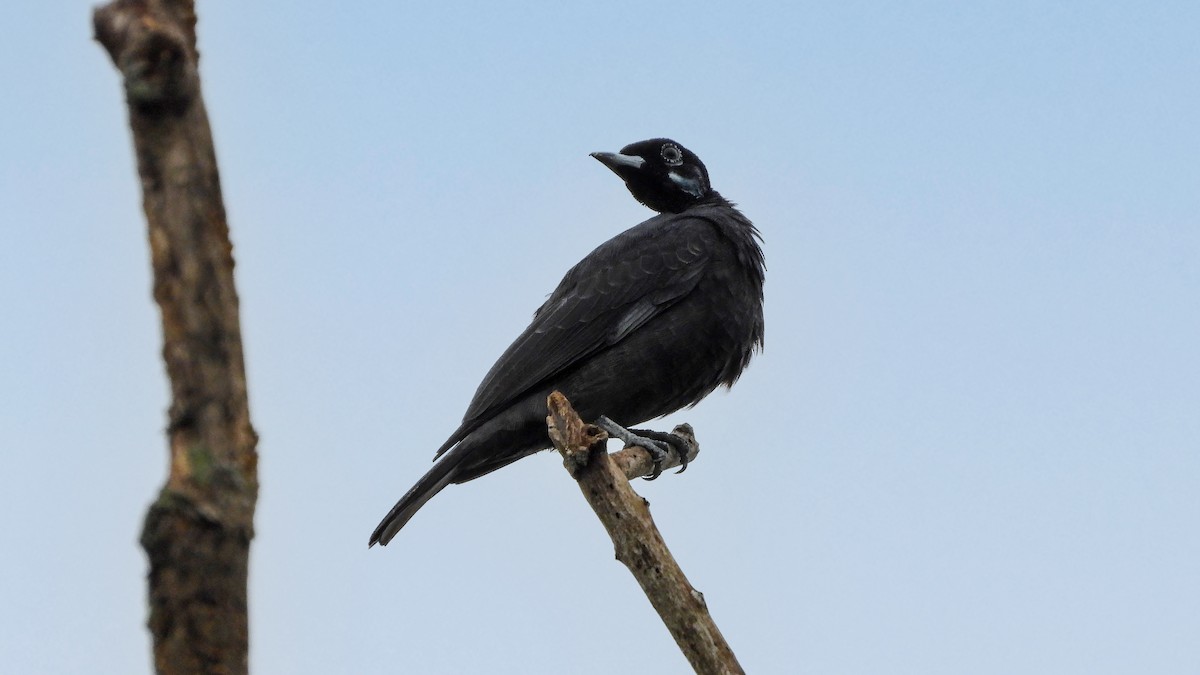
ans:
x=620 y=164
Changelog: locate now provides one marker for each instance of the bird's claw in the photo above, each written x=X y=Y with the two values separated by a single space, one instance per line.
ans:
x=665 y=439
x=658 y=453
x=657 y=443
x=683 y=462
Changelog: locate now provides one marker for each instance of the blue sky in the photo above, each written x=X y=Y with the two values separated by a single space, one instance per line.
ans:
x=972 y=443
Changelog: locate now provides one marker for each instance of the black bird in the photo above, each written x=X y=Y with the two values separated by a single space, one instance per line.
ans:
x=650 y=322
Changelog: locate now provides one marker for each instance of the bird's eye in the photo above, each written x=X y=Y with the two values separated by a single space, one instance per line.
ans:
x=672 y=155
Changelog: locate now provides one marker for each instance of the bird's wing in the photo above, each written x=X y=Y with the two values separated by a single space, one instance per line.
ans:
x=609 y=294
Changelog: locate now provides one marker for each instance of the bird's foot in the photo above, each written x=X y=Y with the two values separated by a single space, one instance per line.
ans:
x=657 y=443
x=678 y=444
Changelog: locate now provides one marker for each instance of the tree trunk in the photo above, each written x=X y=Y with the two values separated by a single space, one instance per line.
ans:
x=197 y=533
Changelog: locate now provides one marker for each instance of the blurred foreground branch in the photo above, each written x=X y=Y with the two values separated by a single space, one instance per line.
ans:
x=197 y=532
x=604 y=482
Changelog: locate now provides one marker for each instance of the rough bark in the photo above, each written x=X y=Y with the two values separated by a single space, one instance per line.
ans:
x=637 y=541
x=197 y=532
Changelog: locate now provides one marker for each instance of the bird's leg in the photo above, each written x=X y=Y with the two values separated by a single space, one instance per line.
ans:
x=656 y=443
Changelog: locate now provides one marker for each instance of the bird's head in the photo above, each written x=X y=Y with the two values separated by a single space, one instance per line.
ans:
x=660 y=173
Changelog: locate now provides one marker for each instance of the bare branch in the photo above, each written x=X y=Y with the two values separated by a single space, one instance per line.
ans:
x=197 y=533
x=637 y=541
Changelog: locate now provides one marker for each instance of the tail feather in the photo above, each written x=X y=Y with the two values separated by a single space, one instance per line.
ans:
x=442 y=474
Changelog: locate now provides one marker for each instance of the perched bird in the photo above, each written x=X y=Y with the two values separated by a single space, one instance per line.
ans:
x=650 y=322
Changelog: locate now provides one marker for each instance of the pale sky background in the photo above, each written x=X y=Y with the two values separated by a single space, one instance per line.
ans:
x=972 y=444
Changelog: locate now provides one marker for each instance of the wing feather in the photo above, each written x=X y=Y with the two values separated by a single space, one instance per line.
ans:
x=616 y=289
